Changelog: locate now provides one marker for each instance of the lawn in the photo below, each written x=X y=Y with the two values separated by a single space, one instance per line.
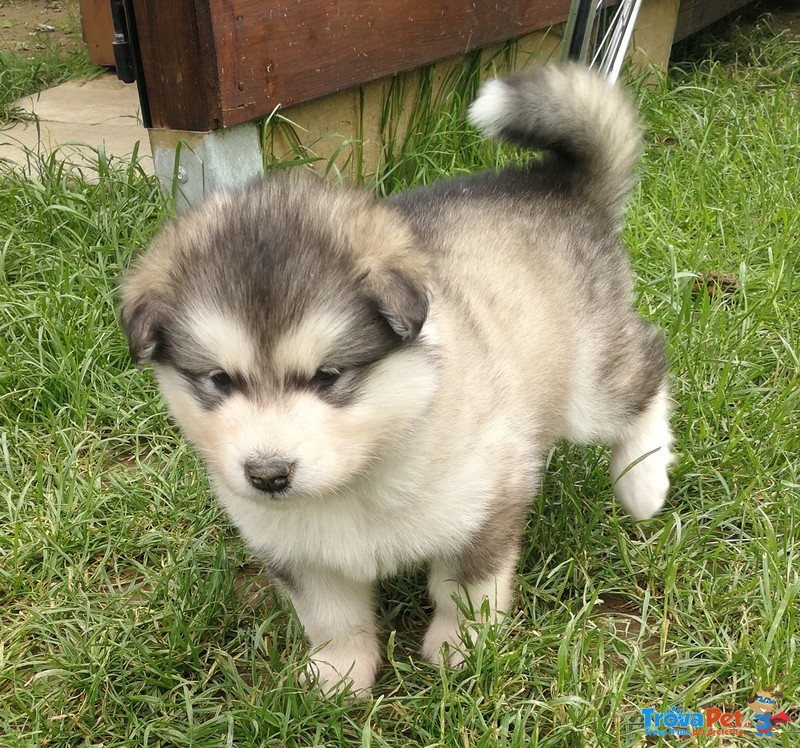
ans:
x=40 y=46
x=131 y=614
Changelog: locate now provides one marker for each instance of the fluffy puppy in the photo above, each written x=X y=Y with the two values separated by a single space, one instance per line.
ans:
x=374 y=385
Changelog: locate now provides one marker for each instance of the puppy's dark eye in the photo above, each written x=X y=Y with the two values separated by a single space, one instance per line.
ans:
x=326 y=377
x=222 y=381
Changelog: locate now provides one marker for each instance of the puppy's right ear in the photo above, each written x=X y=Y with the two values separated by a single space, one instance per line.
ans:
x=142 y=316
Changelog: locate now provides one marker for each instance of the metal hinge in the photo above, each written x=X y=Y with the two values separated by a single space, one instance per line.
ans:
x=124 y=54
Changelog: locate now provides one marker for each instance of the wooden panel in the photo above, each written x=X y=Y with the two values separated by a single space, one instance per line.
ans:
x=98 y=31
x=289 y=51
x=694 y=15
x=178 y=63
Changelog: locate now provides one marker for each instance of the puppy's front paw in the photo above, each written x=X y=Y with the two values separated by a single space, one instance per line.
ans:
x=338 y=672
x=445 y=638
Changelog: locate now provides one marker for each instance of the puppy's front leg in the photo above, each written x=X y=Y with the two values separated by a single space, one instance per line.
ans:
x=338 y=617
x=448 y=582
x=483 y=571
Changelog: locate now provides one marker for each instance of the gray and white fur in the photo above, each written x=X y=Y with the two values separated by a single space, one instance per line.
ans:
x=374 y=385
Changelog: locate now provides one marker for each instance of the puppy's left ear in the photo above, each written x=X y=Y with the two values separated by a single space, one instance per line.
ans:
x=396 y=270
x=402 y=300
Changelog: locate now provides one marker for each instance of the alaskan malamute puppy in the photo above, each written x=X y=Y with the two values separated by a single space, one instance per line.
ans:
x=374 y=384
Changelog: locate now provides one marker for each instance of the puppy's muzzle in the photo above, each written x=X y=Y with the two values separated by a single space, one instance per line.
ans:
x=269 y=474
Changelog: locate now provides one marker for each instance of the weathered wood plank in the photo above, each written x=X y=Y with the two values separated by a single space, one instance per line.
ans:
x=694 y=15
x=178 y=63
x=98 y=30
x=292 y=51
x=212 y=63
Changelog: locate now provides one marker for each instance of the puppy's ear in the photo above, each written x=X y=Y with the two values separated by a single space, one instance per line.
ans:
x=402 y=300
x=396 y=269
x=142 y=315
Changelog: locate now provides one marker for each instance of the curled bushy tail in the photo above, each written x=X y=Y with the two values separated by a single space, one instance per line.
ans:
x=587 y=123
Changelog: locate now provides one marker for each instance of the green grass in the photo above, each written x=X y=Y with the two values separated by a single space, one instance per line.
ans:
x=21 y=75
x=130 y=613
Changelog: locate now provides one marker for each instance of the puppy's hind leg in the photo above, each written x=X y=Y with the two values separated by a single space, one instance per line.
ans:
x=641 y=457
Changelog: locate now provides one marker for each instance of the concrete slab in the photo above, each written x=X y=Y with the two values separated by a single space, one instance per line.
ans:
x=77 y=118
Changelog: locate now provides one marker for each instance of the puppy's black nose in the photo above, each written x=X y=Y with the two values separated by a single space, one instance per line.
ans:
x=269 y=474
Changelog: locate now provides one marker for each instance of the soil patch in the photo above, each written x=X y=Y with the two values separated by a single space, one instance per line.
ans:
x=29 y=26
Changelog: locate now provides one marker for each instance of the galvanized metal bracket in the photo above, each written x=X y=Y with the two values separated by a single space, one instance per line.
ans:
x=192 y=165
